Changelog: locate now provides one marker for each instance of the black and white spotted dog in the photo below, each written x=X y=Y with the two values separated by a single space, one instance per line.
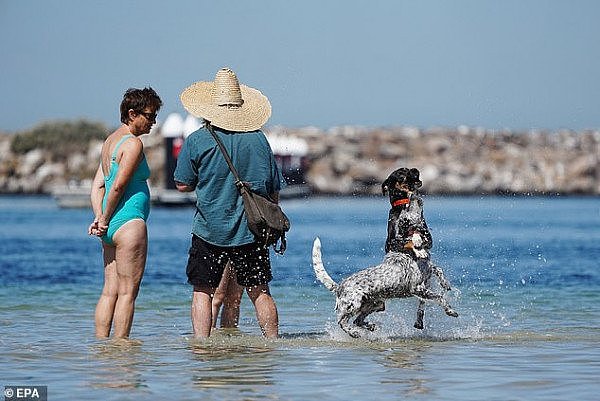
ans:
x=407 y=228
x=404 y=272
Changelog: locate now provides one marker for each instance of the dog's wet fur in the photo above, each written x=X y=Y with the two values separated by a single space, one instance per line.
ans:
x=400 y=275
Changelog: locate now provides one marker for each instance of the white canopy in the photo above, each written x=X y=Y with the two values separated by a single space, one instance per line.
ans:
x=285 y=145
x=173 y=126
x=190 y=125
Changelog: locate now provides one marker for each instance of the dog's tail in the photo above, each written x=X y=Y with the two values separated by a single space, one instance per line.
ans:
x=319 y=268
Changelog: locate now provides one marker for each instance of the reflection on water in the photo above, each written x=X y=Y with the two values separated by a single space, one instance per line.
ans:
x=229 y=358
x=118 y=364
x=408 y=357
x=410 y=360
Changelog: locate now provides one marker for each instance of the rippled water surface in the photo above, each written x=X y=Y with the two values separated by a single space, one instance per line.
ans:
x=525 y=272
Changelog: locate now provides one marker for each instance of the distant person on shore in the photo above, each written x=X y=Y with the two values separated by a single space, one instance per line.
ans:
x=121 y=204
x=220 y=231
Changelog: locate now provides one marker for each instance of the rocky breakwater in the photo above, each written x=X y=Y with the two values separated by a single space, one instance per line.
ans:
x=60 y=154
x=354 y=160
x=341 y=160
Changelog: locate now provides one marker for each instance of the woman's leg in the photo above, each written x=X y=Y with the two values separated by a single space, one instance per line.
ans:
x=219 y=295
x=131 y=248
x=230 y=315
x=106 y=304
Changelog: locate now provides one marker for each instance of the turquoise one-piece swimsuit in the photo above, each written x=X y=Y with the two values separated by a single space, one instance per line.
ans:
x=135 y=202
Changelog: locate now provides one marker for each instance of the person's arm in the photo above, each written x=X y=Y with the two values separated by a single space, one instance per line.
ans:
x=131 y=157
x=186 y=173
x=96 y=196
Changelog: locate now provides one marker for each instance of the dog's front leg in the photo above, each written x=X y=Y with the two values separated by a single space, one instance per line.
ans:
x=426 y=294
x=440 y=275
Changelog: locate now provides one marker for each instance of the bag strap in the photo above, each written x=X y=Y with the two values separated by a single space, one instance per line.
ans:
x=238 y=181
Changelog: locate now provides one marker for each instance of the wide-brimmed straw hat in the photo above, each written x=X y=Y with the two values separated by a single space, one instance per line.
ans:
x=226 y=103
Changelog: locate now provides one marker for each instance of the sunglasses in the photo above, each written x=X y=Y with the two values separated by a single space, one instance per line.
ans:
x=149 y=116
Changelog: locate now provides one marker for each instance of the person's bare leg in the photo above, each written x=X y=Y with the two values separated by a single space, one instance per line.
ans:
x=106 y=304
x=132 y=245
x=230 y=316
x=201 y=310
x=266 y=310
x=220 y=294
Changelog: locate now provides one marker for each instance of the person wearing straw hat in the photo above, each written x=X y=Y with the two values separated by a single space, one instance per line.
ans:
x=220 y=233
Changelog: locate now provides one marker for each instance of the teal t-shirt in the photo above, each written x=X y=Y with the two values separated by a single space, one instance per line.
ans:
x=220 y=218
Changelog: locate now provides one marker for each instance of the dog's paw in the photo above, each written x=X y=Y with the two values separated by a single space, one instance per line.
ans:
x=417 y=240
x=379 y=307
x=370 y=326
x=365 y=325
x=451 y=312
x=418 y=325
x=353 y=333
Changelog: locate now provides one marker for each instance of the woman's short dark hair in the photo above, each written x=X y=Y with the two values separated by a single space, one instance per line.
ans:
x=137 y=100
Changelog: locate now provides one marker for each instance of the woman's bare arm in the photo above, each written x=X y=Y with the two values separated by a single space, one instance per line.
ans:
x=132 y=153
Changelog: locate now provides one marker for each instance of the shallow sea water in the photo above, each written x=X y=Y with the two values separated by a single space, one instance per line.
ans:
x=525 y=273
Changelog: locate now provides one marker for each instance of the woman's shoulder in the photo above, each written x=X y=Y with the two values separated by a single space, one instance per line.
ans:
x=132 y=144
x=118 y=133
x=118 y=143
x=114 y=137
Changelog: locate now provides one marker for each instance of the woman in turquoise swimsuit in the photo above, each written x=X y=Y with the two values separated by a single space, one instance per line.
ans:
x=121 y=203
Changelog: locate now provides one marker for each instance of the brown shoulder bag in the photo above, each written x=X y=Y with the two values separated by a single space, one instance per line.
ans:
x=265 y=218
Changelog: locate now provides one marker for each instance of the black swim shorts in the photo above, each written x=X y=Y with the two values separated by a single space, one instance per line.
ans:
x=206 y=263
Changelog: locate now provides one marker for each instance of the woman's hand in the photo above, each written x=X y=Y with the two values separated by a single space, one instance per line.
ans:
x=102 y=227
x=99 y=227
x=93 y=228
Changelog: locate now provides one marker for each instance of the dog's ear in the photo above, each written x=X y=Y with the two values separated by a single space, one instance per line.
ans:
x=385 y=186
x=414 y=179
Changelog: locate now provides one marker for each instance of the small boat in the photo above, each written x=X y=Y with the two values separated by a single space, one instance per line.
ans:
x=77 y=196
x=172 y=197
x=72 y=196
